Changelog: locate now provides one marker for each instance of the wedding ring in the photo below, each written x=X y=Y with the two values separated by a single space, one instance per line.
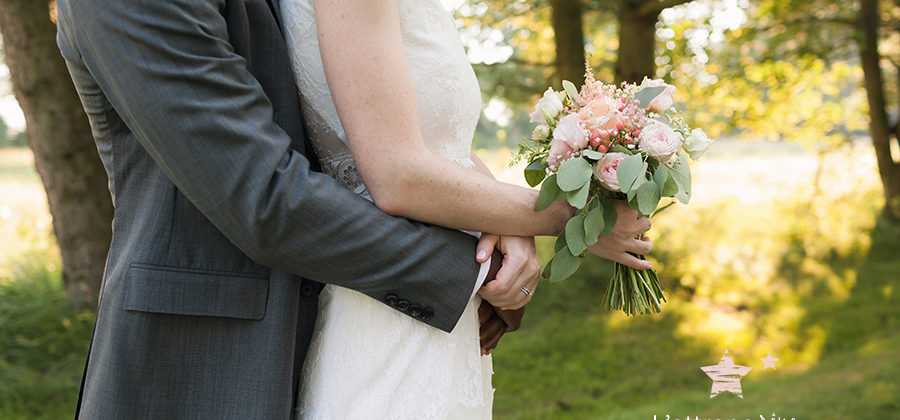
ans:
x=526 y=291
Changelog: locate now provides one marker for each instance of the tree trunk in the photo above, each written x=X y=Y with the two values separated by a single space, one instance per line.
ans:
x=888 y=170
x=64 y=151
x=637 y=42
x=569 y=36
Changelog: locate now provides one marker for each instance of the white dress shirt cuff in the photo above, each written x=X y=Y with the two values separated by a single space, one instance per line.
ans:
x=483 y=271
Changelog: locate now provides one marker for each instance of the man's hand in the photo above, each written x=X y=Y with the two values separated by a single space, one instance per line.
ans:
x=518 y=270
x=626 y=236
x=496 y=322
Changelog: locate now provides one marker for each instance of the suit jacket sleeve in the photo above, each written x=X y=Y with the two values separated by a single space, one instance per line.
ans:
x=170 y=73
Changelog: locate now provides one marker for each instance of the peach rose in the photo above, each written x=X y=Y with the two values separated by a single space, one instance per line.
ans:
x=660 y=141
x=605 y=170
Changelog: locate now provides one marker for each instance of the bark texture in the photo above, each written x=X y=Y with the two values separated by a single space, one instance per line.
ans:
x=879 y=130
x=568 y=32
x=64 y=151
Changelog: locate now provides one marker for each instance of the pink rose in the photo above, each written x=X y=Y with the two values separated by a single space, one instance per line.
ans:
x=663 y=101
x=559 y=152
x=605 y=170
x=660 y=141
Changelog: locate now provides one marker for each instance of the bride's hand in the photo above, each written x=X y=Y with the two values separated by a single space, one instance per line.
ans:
x=626 y=239
x=518 y=276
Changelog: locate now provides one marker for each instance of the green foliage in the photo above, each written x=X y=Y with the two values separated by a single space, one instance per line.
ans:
x=817 y=288
x=44 y=343
x=573 y=174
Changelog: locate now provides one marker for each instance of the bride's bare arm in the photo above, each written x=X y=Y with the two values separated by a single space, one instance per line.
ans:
x=370 y=80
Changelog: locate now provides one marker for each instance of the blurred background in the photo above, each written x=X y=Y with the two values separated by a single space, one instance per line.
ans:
x=790 y=247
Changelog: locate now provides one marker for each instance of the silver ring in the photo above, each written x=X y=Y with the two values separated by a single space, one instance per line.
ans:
x=526 y=291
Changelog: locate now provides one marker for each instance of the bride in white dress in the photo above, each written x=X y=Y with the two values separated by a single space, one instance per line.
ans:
x=394 y=122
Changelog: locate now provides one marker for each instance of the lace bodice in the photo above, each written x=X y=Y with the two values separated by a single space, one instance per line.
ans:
x=449 y=99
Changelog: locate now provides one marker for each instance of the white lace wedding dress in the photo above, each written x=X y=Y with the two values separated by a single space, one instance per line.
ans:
x=366 y=360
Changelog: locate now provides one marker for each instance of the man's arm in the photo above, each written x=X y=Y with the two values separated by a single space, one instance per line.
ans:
x=169 y=72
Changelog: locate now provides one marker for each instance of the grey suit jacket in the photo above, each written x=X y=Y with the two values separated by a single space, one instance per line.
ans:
x=222 y=233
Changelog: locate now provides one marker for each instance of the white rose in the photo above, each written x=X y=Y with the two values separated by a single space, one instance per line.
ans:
x=663 y=101
x=660 y=141
x=569 y=130
x=697 y=143
x=549 y=103
x=540 y=132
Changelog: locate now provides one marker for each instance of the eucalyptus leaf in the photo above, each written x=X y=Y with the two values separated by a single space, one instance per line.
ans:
x=560 y=242
x=592 y=154
x=564 y=265
x=629 y=170
x=647 y=95
x=550 y=192
x=647 y=198
x=573 y=174
x=609 y=216
x=618 y=148
x=571 y=90
x=534 y=173
x=549 y=118
x=578 y=199
x=575 y=234
x=660 y=175
x=681 y=172
x=593 y=225
x=670 y=188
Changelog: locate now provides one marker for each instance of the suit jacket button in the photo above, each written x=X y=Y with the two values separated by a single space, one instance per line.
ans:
x=427 y=314
x=403 y=304
x=415 y=310
x=391 y=299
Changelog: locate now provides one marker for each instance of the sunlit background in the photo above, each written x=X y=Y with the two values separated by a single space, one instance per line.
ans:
x=781 y=250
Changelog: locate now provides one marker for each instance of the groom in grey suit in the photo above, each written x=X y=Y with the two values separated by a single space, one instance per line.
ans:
x=224 y=232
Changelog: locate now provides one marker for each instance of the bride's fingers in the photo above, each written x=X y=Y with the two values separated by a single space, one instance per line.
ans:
x=485 y=247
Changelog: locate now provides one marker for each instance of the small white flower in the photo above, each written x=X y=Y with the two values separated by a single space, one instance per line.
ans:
x=540 y=132
x=697 y=143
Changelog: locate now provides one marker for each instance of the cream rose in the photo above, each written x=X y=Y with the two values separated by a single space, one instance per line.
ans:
x=697 y=143
x=540 y=132
x=605 y=170
x=550 y=103
x=660 y=141
x=663 y=101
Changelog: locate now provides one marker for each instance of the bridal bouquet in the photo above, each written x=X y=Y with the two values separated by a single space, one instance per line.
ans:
x=606 y=143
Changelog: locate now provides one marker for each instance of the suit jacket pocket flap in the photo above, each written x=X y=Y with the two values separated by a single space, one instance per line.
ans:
x=185 y=291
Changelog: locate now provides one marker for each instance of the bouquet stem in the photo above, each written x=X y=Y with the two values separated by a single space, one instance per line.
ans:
x=634 y=291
